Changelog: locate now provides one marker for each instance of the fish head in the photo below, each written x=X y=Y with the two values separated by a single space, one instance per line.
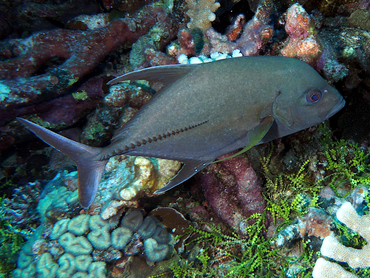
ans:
x=305 y=104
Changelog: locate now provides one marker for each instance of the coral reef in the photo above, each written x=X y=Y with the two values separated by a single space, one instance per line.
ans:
x=331 y=248
x=84 y=22
x=201 y=13
x=113 y=114
x=302 y=42
x=127 y=180
x=21 y=209
x=132 y=178
x=263 y=214
x=29 y=16
x=156 y=39
x=82 y=51
x=255 y=35
x=316 y=222
x=233 y=191
x=86 y=244
x=125 y=5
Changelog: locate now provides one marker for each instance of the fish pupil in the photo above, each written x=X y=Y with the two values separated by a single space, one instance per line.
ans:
x=314 y=96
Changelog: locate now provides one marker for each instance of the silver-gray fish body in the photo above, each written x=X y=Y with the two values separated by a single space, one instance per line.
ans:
x=209 y=111
x=205 y=111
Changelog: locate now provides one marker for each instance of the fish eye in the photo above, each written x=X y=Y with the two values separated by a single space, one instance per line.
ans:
x=313 y=95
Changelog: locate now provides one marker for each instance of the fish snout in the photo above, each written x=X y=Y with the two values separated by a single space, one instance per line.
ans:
x=337 y=107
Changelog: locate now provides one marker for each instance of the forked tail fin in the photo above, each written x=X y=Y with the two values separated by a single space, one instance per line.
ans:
x=90 y=168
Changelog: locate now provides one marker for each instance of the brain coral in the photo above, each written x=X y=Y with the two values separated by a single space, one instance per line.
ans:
x=84 y=245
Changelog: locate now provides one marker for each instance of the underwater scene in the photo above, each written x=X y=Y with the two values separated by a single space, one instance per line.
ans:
x=184 y=138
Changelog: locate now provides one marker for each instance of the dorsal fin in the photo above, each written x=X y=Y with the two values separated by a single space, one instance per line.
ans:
x=166 y=75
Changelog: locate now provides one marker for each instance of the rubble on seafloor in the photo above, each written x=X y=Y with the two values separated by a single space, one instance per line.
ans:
x=55 y=62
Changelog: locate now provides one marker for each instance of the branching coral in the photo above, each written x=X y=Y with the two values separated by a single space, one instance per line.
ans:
x=201 y=13
x=355 y=258
x=255 y=35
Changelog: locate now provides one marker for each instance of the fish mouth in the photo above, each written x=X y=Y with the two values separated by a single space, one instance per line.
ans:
x=337 y=107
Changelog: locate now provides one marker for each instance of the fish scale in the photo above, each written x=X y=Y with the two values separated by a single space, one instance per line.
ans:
x=205 y=111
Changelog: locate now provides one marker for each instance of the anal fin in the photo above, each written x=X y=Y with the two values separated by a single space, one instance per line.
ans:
x=89 y=176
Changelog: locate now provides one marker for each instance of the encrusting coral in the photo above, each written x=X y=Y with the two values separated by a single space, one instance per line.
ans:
x=131 y=178
x=233 y=191
x=302 y=42
x=83 y=50
x=331 y=248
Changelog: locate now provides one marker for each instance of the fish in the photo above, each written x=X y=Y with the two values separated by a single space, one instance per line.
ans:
x=205 y=111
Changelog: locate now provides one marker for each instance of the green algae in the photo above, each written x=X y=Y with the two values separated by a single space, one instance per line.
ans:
x=80 y=95
x=11 y=241
x=288 y=196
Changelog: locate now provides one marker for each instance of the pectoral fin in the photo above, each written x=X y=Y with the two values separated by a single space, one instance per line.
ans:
x=189 y=169
x=254 y=136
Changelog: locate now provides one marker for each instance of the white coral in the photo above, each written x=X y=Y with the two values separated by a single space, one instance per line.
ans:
x=356 y=258
x=201 y=13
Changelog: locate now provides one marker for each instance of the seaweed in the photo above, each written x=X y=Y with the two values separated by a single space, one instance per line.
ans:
x=11 y=241
x=348 y=164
